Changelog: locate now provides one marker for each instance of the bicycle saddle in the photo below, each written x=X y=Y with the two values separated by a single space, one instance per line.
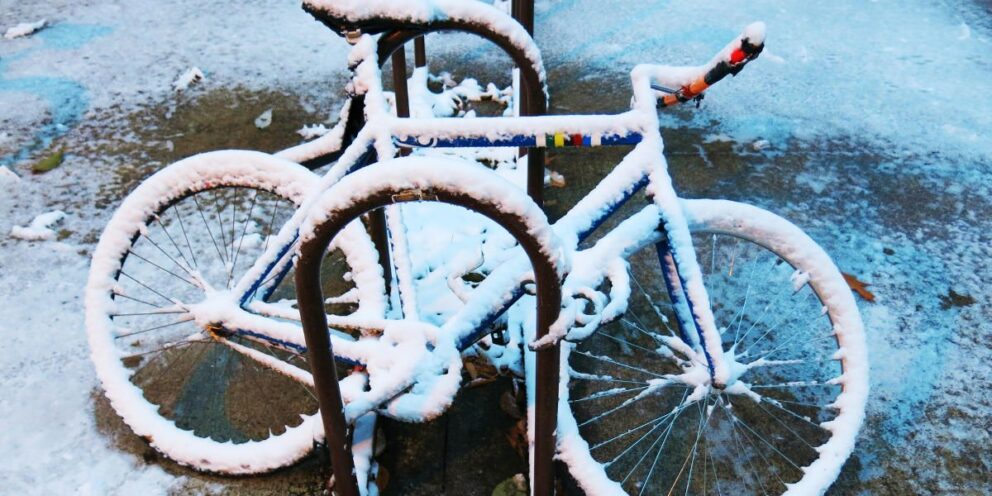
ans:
x=377 y=16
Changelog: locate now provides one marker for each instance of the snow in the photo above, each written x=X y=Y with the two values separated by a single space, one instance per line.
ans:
x=23 y=29
x=8 y=177
x=191 y=76
x=310 y=132
x=39 y=229
x=264 y=120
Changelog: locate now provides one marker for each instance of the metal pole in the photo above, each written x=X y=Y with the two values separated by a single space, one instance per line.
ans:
x=548 y=363
x=325 y=377
x=523 y=12
x=419 y=52
x=399 y=83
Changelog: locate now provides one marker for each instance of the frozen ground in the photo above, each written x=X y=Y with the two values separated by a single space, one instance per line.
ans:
x=877 y=115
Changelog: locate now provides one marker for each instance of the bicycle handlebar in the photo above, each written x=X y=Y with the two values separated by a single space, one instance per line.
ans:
x=693 y=82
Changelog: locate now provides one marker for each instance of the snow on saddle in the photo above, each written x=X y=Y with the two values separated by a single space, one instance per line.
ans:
x=376 y=16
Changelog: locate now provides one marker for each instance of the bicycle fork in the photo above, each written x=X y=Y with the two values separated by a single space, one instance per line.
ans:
x=684 y=282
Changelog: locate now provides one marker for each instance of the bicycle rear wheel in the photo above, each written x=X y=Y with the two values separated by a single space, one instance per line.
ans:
x=207 y=395
x=639 y=415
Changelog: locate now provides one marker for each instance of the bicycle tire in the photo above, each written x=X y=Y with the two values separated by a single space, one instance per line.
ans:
x=786 y=425
x=194 y=225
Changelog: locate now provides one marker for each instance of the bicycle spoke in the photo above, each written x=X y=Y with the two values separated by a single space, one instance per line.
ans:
x=219 y=210
x=765 y=441
x=117 y=293
x=628 y=432
x=157 y=266
x=160 y=312
x=691 y=454
x=243 y=232
x=182 y=226
x=664 y=440
x=163 y=326
x=628 y=343
x=167 y=346
x=657 y=311
x=207 y=226
x=171 y=240
x=171 y=259
x=749 y=467
x=783 y=424
x=631 y=325
x=781 y=320
x=234 y=220
x=617 y=363
x=166 y=298
x=607 y=394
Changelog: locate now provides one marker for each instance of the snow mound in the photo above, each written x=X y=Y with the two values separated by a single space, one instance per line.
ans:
x=39 y=229
x=192 y=75
x=24 y=29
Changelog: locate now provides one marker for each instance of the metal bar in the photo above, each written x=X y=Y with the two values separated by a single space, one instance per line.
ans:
x=419 y=52
x=513 y=141
x=380 y=238
x=325 y=377
x=531 y=104
x=546 y=413
x=399 y=84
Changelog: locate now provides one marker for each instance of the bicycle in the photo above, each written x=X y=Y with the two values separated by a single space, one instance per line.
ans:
x=712 y=394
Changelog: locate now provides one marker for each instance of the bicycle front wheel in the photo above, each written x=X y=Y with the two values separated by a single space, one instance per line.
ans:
x=205 y=394
x=639 y=415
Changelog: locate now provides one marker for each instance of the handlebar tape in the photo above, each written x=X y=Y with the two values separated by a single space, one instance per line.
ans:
x=733 y=64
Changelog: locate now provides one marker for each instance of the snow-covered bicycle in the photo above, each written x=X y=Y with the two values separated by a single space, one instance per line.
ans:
x=706 y=345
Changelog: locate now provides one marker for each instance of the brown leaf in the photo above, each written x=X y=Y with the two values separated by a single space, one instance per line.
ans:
x=859 y=287
x=381 y=478
x=482 y=381
x=472 y=372
x=517 y=437
x=478 y=367
x=510 y=405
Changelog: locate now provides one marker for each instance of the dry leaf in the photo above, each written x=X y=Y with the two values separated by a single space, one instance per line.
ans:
x=482 y=381
x=859 y=287
x=509 y=403
x=514 y=486
x=381 y=478
x=517 y=437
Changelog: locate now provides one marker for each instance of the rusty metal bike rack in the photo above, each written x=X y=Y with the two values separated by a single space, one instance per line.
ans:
x=533 y=101
x=321 y=356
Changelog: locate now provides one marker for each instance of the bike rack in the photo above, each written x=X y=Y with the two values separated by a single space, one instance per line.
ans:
x=533 y=101
x=321 y=355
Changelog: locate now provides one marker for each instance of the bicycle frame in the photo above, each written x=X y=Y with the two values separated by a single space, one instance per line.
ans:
x=662 y=222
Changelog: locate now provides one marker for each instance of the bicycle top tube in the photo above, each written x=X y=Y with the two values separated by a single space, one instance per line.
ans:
x=539 y=132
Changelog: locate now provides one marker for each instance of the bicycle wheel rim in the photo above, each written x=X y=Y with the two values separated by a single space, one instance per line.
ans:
x=774 y=445
x=254 y=436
